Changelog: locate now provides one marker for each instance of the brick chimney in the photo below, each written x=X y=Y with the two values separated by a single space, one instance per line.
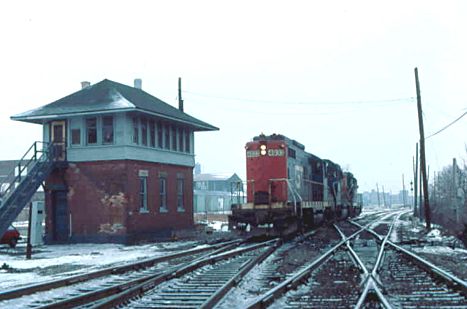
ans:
x=138 y=83
x=180 y=100
x=85 y=84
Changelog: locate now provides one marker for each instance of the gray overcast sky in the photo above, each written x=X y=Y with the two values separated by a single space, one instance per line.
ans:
x=337 y=76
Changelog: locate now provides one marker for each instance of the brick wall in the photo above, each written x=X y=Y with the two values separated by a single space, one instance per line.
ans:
x=104 y=199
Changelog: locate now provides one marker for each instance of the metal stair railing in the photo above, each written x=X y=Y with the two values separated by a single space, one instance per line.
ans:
x=23 y=181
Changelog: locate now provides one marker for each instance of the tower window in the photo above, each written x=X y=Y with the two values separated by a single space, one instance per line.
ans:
x=91 y=131
x=107 y=130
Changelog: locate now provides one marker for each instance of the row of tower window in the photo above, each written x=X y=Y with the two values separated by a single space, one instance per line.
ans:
x=149 y=132
x=143 y=194
x=145 y=132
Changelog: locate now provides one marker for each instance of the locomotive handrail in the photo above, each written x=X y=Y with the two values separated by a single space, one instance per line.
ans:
x=299 y=196
x=252 y=191
x=291 y=190
x=270 y=191
x=295 y=191
x=309 y=189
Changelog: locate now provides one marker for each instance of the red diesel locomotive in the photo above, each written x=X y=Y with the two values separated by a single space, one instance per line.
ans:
x=289 y=189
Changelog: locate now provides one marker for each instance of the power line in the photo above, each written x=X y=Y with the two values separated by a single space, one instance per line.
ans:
x=400 y=100
x=447 y=126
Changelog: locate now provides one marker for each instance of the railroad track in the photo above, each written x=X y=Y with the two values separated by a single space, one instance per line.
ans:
x=336 y=283
x=278 y=268
x=365 y=269
x=281 y=265
x=195 y=289
x=181 y=284
x=409 y=281
x=81 y=289
x=410 y=285
x=357 y=266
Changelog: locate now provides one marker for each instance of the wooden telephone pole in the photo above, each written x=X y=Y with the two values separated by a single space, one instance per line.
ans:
x=415 y=177
x=403 y=190
x=384 y=198
x=422 y=155
x=377 y=190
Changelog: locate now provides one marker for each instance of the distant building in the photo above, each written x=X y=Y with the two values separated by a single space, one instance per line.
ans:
x=216 y=192
x=126 y=170
x=197 y=169
x=387 y=199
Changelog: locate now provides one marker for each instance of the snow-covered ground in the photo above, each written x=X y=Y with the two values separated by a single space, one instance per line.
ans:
x=55 y=261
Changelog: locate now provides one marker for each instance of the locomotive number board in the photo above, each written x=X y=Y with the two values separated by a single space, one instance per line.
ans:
x=271 y=153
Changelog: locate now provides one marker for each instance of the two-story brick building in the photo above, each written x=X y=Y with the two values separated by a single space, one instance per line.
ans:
x=127 y=164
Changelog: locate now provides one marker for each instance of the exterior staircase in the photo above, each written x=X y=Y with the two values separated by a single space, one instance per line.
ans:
x=25 y=179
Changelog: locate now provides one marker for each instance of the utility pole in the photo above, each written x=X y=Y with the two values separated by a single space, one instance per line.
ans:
x=403 y=190
x=377 y=190
x=415 y=177
x=384 y=198
x=454 y=189
x=422 y=154
x=420 y=194
x=180 y=100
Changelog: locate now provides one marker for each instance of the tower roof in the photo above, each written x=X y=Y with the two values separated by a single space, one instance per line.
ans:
x=110 y=97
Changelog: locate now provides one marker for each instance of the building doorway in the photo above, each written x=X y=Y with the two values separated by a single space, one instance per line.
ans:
x=61 y=216
x=58 y=138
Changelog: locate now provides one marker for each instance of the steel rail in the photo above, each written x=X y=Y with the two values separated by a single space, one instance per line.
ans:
x=371 y=279
x=292 y=282
x=94 y=296
x=379 y=237
x=215 y=298
x=48 y=285
x=139 y=289
x=371 y=282
x=427 y=265
x=372 y=286
x=432 y=268
x=420 y=261
x=353 y=253
x=383 y=245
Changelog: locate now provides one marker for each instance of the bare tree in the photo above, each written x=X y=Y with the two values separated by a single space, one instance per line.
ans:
x=448 y=193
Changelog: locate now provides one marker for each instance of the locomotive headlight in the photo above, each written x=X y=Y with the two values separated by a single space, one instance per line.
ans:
x=262 y=150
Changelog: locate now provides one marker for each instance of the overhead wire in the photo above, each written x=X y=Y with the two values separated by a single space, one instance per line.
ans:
x=447 y=126
x=297 y=111
x=402 y=100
